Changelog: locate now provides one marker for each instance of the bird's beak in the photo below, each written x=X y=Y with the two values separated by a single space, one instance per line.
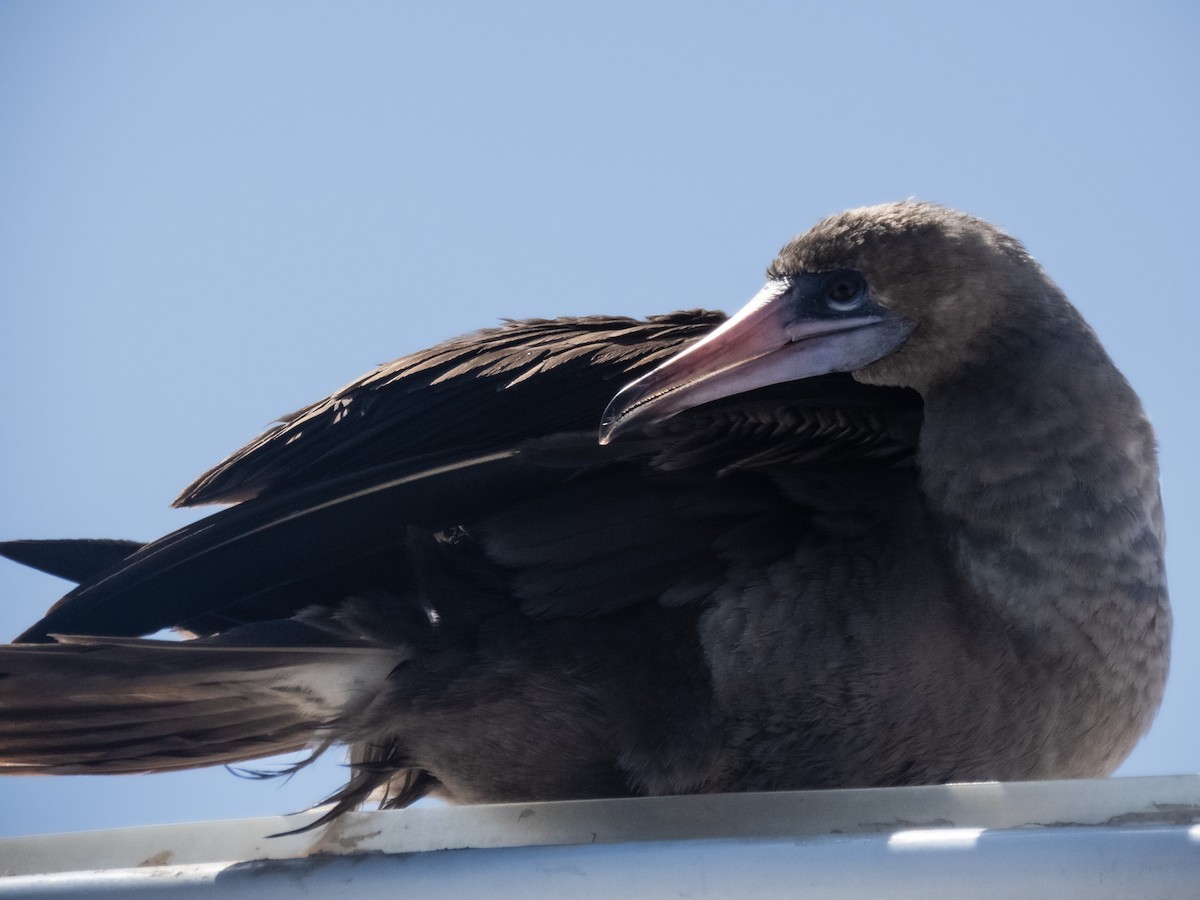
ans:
x=767 y=342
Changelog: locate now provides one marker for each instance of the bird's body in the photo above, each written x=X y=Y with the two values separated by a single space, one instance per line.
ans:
x=896 y=522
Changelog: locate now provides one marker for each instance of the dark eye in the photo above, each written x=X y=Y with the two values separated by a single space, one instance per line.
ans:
x=845 y=292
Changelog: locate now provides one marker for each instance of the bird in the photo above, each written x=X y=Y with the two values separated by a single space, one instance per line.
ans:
x=897 y=521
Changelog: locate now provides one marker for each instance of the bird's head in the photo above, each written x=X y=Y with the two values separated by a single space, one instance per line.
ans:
x=901 y=294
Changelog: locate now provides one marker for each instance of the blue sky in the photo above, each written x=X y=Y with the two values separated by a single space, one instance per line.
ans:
x=212 y=213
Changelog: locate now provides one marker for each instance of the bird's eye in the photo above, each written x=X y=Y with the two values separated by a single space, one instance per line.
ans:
x=846 y=292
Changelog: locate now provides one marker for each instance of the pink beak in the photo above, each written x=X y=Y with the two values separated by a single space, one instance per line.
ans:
x=765 y=343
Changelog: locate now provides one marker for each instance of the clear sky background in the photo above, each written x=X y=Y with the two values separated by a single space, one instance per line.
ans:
x=213 y=213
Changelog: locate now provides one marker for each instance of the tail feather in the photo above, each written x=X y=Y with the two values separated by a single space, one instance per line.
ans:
x=91 y=706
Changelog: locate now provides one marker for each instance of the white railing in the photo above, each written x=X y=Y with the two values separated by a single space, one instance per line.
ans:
x=1121 y=838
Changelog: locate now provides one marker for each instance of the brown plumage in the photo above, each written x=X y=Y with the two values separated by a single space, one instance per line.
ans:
x=895 y=522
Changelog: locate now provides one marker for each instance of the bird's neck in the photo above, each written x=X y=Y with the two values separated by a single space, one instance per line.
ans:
x=1047 y=491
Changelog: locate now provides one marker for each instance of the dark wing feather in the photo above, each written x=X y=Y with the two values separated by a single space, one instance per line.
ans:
x=469 y=396
x=75 y=560
x=270 y=558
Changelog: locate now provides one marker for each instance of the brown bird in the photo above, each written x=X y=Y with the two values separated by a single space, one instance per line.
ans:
x=895 y=522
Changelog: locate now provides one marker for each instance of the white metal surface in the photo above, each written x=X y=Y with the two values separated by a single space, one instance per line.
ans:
x=1136 y=837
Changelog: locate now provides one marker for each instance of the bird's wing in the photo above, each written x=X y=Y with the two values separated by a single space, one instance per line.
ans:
x=467 y=396
x=458 y=441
